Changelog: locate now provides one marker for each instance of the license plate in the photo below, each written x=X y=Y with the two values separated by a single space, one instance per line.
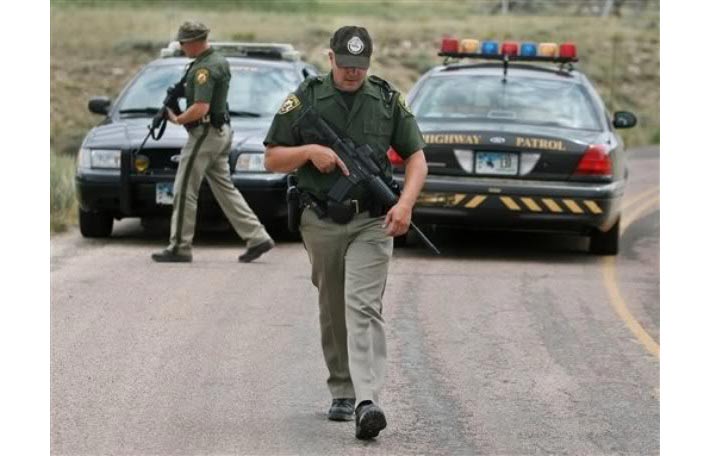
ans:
x=164 y=193
x=497 y=163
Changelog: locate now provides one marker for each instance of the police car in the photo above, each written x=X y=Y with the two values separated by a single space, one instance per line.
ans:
x=517 y=138
x=115 y=179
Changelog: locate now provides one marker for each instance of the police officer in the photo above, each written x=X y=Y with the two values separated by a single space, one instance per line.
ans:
x=206 y=153
x=350 y=259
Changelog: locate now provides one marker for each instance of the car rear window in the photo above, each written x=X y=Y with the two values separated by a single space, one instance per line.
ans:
x=518 y=100
x=259 y=90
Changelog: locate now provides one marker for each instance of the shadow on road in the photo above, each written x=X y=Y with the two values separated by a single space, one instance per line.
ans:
x=454 y=243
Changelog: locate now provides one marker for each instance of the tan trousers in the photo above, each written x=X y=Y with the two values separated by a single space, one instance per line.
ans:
x=205 y=155
x=349 y=268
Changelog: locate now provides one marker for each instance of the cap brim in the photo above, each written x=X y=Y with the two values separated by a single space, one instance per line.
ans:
x=352 y=61
x=191 y=39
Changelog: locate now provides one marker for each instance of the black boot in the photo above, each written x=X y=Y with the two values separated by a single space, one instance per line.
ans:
x=256 y=251
x=168 y=256
x=369 y=420
x=342 y=410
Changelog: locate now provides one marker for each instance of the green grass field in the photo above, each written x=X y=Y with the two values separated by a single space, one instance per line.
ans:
x=96 y=49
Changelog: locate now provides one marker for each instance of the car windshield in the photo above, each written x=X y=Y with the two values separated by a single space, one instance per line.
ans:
x=519 y=100
x=255 y=90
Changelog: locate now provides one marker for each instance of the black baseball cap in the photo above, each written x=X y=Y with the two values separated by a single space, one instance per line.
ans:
x=352 y=46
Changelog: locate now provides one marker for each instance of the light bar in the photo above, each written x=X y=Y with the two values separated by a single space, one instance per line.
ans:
x=508 y=50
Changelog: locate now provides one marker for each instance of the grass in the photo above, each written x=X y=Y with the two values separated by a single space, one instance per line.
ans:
x=62 y=202
x=96 y=47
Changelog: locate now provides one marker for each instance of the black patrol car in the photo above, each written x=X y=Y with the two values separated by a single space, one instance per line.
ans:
x=519 y=140
x=115 y=180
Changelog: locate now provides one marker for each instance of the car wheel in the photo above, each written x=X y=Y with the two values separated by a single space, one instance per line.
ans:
x=95 y=224
x=605 y=243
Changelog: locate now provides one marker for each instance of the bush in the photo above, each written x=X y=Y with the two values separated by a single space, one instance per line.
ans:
x=62 y=201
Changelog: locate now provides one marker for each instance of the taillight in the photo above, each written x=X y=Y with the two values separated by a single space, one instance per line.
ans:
x=594 y=162
x=394 y=157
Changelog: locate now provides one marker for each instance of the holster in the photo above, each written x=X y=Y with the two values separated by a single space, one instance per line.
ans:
x=294 y=205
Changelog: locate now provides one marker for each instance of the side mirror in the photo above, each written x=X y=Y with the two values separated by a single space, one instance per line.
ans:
x=99 y=105
x=624 y=119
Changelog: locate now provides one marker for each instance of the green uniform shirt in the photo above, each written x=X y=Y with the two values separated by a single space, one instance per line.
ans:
x=208 y=81
x=379 y=117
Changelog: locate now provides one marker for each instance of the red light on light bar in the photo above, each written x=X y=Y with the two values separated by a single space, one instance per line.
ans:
x=509 y=48
x=449 y=45
x=568 y=51
x=394 y=157
x=594 y=162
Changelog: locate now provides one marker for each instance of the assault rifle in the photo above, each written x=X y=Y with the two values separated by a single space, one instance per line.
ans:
x=362 y=166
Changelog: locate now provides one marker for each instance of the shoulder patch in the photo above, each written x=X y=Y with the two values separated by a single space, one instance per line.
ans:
x=403 y=103
x=290 y=103
x=202 y=76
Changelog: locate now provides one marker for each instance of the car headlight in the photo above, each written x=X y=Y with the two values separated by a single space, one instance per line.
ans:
x=250 y=162
x=84 y=160
x=105 y=158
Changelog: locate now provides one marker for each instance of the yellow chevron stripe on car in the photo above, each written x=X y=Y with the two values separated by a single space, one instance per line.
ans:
x=593 y=206
x=458 y=198
x=510 y=203
x=574 y=207
x=516 y=204
x=531 y=204
x=552 y=205
x=476 y=201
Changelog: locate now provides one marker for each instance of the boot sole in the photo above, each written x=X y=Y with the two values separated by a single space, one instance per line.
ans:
x=371 y=423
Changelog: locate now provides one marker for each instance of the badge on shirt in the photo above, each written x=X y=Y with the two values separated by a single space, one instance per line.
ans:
x=290 y=103
x=202 y=76
x=403 y=103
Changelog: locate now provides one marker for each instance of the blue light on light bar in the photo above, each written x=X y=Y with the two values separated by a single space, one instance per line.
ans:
x=489 y=48
x=528 y=50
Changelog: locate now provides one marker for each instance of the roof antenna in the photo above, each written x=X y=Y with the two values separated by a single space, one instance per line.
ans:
x=505 y=67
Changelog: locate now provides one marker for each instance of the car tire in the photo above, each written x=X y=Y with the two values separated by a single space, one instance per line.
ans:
x=605 y=243
x=95 y=224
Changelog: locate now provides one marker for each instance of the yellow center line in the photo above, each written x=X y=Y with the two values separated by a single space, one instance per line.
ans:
x=631 y=200
x=612 y=286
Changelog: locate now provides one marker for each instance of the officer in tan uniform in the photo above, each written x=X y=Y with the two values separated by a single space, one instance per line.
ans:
x=206 y=153
x=350 y=257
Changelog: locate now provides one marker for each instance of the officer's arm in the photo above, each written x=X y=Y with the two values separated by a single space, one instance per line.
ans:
x=284 y=159
x=415 y=172
x=195 y=112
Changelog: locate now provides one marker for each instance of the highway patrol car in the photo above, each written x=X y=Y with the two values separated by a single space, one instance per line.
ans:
x=519 y=140
x=115 y=179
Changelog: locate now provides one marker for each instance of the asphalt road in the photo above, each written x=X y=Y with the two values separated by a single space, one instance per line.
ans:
x=507 y=344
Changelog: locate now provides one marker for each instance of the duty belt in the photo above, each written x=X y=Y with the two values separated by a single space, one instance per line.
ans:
x=215 y=120
x=340 y=212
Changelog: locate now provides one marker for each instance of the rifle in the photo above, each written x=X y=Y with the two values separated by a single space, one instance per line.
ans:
x=362 y=166
x=160 y=120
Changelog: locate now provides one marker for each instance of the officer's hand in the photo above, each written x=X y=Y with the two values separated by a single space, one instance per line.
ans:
x=325 y=159
x=398 y=219
x=171 y=116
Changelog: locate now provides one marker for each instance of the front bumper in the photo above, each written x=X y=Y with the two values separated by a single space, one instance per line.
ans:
x=485 y=203
x=135 y=195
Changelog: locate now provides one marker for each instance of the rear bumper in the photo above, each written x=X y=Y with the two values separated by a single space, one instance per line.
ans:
x=576 y=207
